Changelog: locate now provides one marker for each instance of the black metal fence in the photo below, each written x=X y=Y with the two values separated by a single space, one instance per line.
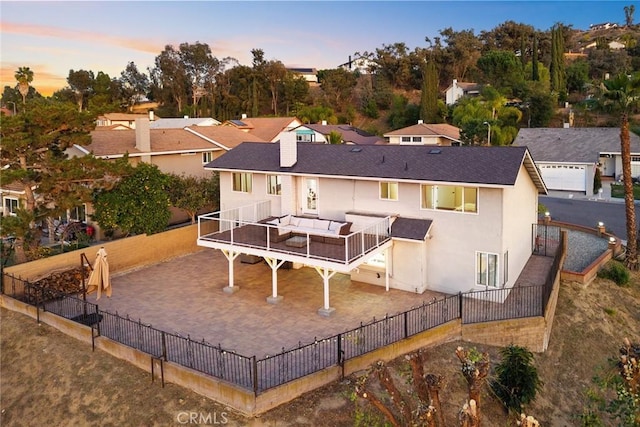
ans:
x=258 y=375
x=545 y=239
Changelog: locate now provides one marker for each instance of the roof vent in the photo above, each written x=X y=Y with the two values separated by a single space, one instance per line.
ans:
x=406 y=166
x=356 y=150
x=382 y=159
x=435 y=151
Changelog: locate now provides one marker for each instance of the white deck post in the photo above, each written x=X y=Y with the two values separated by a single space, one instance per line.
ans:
x=386 y=269
x=275 y=265
x=231 y=256
x=325 y=273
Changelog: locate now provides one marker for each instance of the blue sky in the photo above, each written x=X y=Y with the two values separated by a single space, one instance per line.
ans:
x=53 y=37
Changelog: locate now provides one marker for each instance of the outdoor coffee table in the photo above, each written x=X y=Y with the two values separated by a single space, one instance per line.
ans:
x=296 y=241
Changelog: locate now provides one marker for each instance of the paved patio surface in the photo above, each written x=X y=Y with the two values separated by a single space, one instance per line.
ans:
x=185 y=296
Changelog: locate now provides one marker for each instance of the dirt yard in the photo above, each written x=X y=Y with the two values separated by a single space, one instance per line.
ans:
x=48 y=378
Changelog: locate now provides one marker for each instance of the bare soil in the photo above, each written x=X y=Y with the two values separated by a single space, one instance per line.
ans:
x=48 y=378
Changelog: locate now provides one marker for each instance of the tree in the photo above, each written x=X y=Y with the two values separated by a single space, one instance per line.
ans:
x=33 y=156
x=429 y=100
x=501 y=69
x=135 y=84
x=337 y=85
x=517 y=382
x=556 y=68
x=334 y=137
x=192 y=194
x=24 y=76
x=628 y=15
x=621 y=96
x=138 y=204
x=81 y=82
x=535 y=76
x=275 y=73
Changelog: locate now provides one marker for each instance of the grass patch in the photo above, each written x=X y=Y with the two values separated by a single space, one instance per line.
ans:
x=617 y=191
x=610 y=311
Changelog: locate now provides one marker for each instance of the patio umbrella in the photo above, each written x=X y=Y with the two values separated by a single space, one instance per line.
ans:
x=99 y=279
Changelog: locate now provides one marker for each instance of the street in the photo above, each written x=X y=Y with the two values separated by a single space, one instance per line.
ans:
x=589 y=213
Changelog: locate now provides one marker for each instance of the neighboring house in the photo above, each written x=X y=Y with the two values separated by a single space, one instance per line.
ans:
x=360 y=64
x=603 y=26
x=181 y=123
x=179 y=151
x=309 y=74
x=319 y=133
x=13 y=196
x=447 y=219
x=568 y=157
x=459 y=89
x=613 y=45
x=425 y=134
x=121 y=120
x=264 y=128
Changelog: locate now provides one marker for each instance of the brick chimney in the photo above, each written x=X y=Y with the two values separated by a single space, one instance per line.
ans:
x=288 y=149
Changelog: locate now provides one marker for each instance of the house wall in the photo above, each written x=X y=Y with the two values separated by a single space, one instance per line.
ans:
x=447 y=261
x=426 y=140
x=520 y=212
x=188 y=164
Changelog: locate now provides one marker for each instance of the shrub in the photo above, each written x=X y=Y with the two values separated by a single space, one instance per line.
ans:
x=517 y=380
x=597 y=181
x=615 y=271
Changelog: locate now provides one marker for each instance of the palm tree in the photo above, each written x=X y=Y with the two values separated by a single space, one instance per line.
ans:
x=24 y=76
x=621 y=95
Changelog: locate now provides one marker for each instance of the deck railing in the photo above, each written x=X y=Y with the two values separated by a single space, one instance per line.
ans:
x=241 y=227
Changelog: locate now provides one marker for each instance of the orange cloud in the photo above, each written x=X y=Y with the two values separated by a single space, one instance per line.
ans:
x=49 y=31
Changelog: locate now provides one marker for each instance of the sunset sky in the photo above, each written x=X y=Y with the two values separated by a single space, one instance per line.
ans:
x=54 y=37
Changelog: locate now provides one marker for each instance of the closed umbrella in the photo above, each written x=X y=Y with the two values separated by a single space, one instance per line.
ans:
x=99 y=279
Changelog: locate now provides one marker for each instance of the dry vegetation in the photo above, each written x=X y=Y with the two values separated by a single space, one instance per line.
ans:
x=48 y=378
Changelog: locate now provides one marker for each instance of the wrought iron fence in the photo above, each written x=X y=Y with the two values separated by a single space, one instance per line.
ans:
x=272 y=371
x=545 y=239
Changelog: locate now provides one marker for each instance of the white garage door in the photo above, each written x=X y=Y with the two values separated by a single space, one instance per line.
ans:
x=564 y=177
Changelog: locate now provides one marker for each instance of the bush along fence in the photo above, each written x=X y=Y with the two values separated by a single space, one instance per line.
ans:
x=259 y=375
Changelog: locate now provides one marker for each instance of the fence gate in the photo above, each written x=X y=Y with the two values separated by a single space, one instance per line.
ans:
x=545 y=239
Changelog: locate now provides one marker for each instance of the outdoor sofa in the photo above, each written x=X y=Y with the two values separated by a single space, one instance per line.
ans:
x=319 y=230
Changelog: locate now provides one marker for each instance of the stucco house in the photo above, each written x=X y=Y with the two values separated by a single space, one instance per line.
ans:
x=459 y=89
x=120 y=120
x=568 y=157
x=183 y=122
x=319 y=133
x=425 y=134
x=448 y=219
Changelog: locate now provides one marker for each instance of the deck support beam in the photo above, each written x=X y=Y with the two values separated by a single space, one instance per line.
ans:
x=386 y=269
x=326 y=274
x=231 y=256
x=275 y=264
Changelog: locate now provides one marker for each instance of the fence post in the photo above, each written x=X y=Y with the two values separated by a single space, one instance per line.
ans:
x=164 y=345
x=460 y=306
x=255 y=375
x=406 y=324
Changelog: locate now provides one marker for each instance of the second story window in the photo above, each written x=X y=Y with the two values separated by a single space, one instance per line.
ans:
x=242 y=182
x=274 y=185
x=207 y=157
x=449 y=198
x=389 y=190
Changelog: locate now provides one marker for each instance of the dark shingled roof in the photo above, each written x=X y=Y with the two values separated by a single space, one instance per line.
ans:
x=410 y=228
x=475 y=165
x=572 y=145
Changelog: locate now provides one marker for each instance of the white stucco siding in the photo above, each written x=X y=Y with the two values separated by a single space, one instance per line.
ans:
x=456 y=237
x=409 y=266
x=520 y=213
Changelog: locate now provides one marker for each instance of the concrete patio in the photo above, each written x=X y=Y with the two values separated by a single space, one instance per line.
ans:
x=185 y=296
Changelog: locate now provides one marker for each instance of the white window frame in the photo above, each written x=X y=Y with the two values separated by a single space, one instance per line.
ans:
x=305 y=137
x=482 y=277
x=207 y=157
x=245 y=182
x=434 y=197
x=416 y=139
x=12 y=207
x=389 y=190
x=405 y=139
x=79 y=213
x=274 y=182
